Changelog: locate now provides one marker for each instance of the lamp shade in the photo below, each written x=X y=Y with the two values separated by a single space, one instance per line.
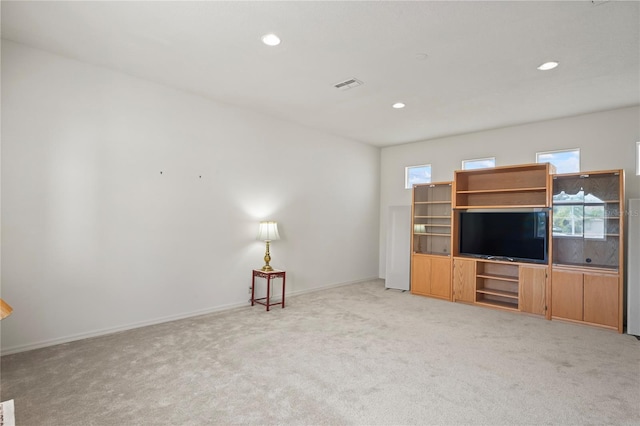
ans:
x=268 y=231
x=5 y=309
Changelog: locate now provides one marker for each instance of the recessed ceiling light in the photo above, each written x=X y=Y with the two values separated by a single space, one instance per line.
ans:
x=398 y=105
x=548 y=66
x=271 y=39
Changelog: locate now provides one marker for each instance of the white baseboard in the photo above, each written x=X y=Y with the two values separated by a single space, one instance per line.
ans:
x=111 y=330
x=131 y=326
x=328 y=286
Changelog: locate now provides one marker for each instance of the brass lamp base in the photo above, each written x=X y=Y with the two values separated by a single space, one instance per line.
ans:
x=267 y=259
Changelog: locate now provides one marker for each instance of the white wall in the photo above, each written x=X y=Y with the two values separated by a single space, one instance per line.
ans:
x=607 y=140
x=96 y=239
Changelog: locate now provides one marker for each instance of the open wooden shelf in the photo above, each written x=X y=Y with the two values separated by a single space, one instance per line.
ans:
x=497 y=284
x=511 y=186
x=498 y=304
x=490 y=191
x=502 y=293
x=499 y=277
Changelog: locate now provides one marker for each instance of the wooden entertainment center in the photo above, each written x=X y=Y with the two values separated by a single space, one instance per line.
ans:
x=581 y=276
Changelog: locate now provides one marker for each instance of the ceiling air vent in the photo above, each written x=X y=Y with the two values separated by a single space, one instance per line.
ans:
x=348 y=84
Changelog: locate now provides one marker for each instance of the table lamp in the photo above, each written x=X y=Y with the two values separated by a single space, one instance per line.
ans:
x=268 y=232
x=5 y=309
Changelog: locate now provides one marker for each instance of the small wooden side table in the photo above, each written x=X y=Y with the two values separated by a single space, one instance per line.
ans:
x=268 y=275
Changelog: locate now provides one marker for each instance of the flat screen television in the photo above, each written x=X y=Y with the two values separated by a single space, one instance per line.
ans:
x=504 y=235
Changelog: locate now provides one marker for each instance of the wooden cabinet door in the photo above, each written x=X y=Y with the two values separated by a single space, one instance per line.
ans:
x=464 y=280
x=601 y=299
x=441 y=277
x=533 y=285
x=420 y=275
x=566 y=295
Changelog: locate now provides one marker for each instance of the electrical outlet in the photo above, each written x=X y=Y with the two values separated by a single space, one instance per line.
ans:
x=249 y=290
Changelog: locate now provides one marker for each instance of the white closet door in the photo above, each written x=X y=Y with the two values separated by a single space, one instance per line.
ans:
x=633 y=268
x=398 y=247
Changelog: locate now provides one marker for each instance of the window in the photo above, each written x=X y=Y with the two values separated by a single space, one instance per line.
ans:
x=417 y=174
x=478 y=163
x=566 y=161
x=578 y=215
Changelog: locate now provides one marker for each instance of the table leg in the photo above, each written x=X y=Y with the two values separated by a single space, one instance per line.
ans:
x=283 y=283
x=253 y=289
x=268 y=291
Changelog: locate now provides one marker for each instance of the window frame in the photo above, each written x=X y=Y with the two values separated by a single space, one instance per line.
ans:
x=479 y=159
x=538 y=154
x=407 y=185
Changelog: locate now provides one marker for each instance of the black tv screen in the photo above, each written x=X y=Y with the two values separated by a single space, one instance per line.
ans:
x=515 y=236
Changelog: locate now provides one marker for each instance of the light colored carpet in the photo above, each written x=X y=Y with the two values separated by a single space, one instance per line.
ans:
x=357 y=354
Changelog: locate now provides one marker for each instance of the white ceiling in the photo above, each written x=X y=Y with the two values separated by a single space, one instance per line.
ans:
x=479 y=73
